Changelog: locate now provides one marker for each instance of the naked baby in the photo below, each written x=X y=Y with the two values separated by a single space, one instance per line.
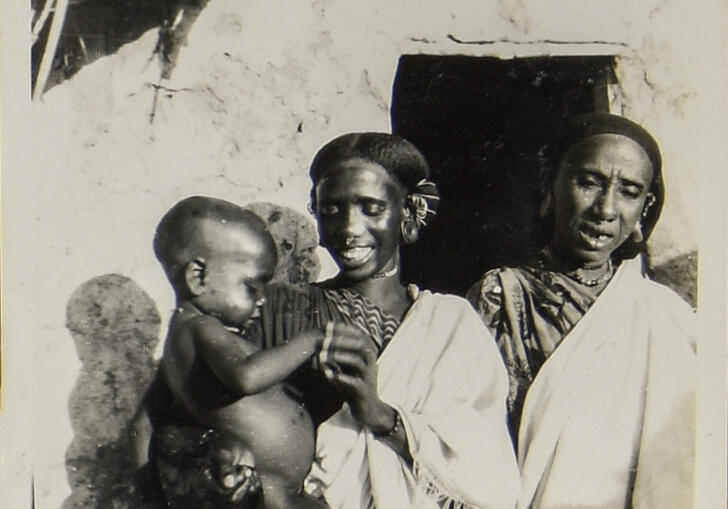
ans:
x=218 y=258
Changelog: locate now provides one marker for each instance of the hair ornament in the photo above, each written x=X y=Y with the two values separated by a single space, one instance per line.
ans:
x=424 y=201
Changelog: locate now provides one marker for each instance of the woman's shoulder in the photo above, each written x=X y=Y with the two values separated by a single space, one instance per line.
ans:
x=654 y=294
x=667 y=297
x=671 y=319
x=442 y=299
x=494 y=282
x=664 y=302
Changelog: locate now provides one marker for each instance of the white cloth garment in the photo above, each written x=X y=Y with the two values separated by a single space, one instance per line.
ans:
x=443 y=373
x=608 y=422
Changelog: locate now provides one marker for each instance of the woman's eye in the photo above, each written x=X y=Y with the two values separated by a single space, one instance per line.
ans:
x=631 y=192
x=587 y=182
x=373 y=209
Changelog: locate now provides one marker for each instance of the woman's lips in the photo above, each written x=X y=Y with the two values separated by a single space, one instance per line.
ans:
x=355 y=255
x=595 y=238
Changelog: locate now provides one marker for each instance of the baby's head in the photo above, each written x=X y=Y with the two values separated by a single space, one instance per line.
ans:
x=217 y=256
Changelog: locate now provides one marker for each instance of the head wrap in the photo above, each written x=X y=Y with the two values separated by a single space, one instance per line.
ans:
x=400 y=158
x=577 y=129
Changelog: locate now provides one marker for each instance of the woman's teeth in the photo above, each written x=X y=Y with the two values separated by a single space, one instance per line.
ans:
x=596 y=240
x=356 y=254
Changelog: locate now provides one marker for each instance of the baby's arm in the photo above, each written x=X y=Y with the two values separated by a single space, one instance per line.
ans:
x=242 y=366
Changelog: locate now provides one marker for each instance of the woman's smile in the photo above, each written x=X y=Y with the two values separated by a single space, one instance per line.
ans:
x=356 y=255
x=359 y=208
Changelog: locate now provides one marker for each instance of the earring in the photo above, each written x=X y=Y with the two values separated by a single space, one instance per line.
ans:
x=546 y=206
x=649 y=202
x=637 y=235
x=410 y=231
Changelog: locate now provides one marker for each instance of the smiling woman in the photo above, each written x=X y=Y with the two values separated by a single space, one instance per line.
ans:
x=360 y=210
x=601 y=359
x=411 y=389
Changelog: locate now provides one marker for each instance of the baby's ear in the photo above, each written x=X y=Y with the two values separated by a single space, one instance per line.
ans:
x=195 y=276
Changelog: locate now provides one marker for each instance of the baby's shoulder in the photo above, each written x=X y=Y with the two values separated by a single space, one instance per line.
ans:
x=187 y=329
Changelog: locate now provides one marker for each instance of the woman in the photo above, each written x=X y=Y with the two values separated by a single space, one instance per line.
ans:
x=601 y=359
x=423 y=422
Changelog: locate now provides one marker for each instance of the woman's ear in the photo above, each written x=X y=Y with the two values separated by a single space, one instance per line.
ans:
x=410 y=228
x=637 y=236
x=195 y=276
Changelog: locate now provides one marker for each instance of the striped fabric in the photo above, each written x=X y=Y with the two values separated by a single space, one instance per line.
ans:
x=375 y=323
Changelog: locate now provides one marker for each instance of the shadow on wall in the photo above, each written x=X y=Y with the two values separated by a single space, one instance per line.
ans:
x=680 y=274
x=91 y=29
x=296 y=239
x=116 y=326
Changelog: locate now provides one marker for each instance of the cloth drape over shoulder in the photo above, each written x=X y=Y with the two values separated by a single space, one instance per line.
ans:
x=444 y=375
x=608 y=417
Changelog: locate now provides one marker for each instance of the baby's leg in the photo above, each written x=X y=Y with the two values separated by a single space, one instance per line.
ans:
x=280 y=495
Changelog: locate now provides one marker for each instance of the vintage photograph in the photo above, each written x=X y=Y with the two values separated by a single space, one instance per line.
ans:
x=390 y=255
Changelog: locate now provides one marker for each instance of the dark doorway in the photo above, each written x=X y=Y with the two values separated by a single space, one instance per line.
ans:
x=484 y=125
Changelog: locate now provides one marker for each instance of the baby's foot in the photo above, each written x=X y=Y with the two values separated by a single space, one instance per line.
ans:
x=232 y=468
x=249 y=485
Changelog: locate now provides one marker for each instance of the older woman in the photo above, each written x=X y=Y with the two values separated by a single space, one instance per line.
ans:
x=418 y=418
x=601 y=360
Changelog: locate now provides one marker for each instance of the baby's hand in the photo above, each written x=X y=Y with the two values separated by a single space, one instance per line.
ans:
x=335 y=333
x=315 y=337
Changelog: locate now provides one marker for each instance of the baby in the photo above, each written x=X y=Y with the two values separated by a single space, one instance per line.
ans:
x=218 y=258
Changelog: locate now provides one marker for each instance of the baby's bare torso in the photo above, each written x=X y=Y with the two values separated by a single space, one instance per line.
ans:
x=272 y=424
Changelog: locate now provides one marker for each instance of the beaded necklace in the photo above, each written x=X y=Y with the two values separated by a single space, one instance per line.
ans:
x=574 y=275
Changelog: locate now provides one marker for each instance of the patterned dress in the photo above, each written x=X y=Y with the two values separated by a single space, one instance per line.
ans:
x=602 y=389
x=529 y=310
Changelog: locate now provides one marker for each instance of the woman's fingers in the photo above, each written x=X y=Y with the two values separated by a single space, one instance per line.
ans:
x=347 y=337
x=346 y=329
x=350 y=383
x=352 y=362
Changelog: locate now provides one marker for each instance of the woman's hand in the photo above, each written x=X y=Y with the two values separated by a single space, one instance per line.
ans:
x=350 y=362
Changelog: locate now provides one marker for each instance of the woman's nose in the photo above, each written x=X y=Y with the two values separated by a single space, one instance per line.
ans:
x=352 y=223
x=605 y=206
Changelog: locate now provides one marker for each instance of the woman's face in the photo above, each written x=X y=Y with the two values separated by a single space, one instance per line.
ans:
x=599 y=194
x=360 y=208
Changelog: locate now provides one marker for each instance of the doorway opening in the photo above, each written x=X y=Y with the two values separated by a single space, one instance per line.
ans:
x=483 y=124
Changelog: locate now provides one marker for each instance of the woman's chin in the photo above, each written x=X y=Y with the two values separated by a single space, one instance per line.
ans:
x=355 y=275
x=586 y=258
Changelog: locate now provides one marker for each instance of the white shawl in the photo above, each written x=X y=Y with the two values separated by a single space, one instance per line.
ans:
x=443 y=373
x=609 y=419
